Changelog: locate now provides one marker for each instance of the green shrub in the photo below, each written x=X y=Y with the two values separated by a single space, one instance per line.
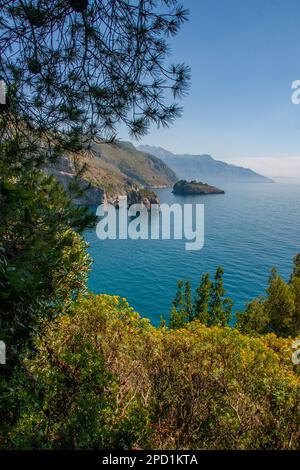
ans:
x=279 y=311
x=105 y=378
x=43 y=259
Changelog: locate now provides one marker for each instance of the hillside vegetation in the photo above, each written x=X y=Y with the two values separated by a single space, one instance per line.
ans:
x=102 y=378
x=112 y=170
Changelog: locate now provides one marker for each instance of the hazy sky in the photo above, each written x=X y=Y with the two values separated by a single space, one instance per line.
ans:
x=244 y=56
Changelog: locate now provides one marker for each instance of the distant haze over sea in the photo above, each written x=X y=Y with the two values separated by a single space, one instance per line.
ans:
x=204 y=167
x=287 y=179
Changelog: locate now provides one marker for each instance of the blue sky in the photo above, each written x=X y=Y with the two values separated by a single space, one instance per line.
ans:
x=244 y=56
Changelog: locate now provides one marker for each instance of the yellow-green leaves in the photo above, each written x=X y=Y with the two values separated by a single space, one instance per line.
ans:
x=106 y=378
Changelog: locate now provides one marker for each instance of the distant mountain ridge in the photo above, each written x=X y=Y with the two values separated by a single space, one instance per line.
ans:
x=204 y=167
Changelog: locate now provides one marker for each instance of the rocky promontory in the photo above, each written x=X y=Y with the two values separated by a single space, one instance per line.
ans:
x=143 y=196
x=188 y=188
x=104 y=172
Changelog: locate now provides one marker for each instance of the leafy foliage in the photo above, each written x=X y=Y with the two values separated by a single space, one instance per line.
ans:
x=84 y=394
x=182 y=306
x=105 y=378
x=43 y=259
x=211 y=307
x=279 y=311
x=202 y=302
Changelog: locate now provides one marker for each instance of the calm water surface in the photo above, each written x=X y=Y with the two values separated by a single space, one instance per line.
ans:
x=250 y=229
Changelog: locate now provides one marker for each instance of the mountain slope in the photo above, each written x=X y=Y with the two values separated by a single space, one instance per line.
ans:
x=140 y=167
x=111 y=170
x=204 y=167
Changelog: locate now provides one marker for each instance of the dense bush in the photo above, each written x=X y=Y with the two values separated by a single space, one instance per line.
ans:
x=278 y=311
x=43 y=259
x=210 y=305
x=105 y=378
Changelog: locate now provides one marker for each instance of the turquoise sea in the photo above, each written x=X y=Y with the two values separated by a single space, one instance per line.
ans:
x=248 y=230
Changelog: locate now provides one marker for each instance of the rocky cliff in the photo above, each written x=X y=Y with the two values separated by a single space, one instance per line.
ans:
x=108 y=171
